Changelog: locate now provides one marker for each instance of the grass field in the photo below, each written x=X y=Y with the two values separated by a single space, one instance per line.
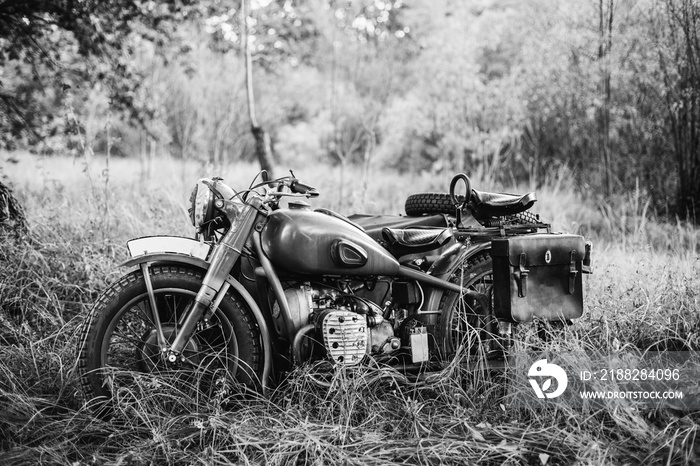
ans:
x=645 y=292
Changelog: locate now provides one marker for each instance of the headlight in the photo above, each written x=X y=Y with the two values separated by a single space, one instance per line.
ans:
x=201 y=205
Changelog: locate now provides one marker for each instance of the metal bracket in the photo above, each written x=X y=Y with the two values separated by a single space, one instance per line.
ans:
x=573 y=271
x=520 y=276
x=586 y=265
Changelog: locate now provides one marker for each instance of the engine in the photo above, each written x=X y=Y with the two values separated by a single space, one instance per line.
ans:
x=347 y=325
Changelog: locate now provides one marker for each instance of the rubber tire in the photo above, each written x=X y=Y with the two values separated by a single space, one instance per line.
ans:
x=478 y=268
x=132 y=286
x=430 y=204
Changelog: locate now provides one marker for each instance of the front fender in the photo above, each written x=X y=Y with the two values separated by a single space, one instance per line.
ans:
x=184 y=259
x=160 y=257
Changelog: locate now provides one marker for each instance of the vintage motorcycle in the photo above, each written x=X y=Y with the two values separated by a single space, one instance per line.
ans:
x=265 y=287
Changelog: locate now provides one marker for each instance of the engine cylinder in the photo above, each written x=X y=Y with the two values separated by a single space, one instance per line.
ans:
x=344 y=335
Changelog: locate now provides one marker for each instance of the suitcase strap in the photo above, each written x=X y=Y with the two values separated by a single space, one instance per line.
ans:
x=573 y=271
x=521 y=276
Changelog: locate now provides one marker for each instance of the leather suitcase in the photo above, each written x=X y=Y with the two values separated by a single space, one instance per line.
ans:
x=538 y=277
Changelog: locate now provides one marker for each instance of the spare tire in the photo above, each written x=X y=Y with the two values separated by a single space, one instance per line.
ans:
x=430 y=203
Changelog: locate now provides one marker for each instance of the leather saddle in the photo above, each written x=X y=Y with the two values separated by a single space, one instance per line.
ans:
x=485 y=205
x=415 y=240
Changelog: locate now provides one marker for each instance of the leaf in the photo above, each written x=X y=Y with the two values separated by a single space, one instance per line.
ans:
x=475 y=433
x=504 y=445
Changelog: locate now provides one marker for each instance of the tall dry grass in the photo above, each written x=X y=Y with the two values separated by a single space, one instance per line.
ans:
x=645 y=292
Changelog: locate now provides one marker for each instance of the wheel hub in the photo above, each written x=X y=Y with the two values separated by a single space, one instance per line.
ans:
x=151 y=358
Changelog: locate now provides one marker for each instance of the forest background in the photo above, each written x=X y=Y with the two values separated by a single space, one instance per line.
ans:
x=508 y=91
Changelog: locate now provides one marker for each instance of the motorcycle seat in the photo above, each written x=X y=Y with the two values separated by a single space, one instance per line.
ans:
x=414 y=240
x=374 y=224
x=484 y=205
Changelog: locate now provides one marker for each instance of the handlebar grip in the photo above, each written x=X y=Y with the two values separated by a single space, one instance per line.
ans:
x=301 y=188
x=468 y=194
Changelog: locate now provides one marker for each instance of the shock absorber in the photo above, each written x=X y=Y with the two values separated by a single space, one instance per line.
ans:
x=225 y=255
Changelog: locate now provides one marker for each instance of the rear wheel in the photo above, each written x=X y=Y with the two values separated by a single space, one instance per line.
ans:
x=120 y=344
x=464 y=324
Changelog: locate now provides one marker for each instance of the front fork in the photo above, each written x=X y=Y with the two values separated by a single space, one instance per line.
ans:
x=214 y=287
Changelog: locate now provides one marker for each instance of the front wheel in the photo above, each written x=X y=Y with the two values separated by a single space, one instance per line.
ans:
x=120 y=343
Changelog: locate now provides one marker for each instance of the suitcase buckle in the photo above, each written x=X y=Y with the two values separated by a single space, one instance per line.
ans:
x=521 y=276
x=573 y=271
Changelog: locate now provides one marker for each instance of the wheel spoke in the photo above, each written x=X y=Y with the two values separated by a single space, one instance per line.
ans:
x=466 y=323
x=132 y=344
x=121 y=347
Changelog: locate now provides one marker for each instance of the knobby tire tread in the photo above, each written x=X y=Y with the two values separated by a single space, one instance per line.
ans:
x=430 y=204
x=89 y=331
x=480 y=259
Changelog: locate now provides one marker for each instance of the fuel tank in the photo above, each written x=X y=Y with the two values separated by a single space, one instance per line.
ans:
x=314 y=243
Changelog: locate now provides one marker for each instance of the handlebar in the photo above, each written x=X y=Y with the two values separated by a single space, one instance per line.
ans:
x=298 y=187
x=286 y=186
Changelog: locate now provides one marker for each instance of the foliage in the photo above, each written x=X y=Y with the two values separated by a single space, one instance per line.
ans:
x=679 y=53
x=49 y=47
x=564 y=112
x=497 y=88
x=12 y=219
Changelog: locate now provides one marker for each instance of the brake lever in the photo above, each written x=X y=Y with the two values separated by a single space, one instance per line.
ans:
x=282 y=194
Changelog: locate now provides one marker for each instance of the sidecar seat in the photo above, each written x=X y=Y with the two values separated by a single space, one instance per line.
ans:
x=484 y=205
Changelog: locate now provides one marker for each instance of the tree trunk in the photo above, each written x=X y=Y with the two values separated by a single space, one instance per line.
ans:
x=263 y=146
x=12 y=219
x=605 y=30
x=142 y=154
x=341 y=184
